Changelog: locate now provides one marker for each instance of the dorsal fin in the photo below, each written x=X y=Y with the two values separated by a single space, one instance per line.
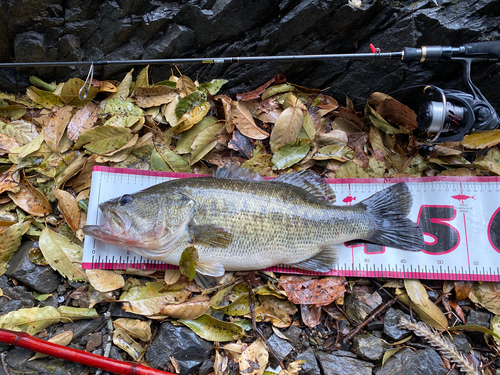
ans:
x=235 y=172
x=310 y=182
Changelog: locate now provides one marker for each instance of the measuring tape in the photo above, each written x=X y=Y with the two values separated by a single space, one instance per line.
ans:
x=459 y=216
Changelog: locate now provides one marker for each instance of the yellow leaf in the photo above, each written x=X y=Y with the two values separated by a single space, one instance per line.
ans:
x=482 y=139
x=63 y=339
x=287 y=128
x=55 y=126
x=417 y=293
x=253 y=360
x=134 y=328
x=105 y=280
x=69 y=208
x=31 y=320
x=244 y=122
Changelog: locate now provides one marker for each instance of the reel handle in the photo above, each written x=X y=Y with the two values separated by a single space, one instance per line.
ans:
x=477 y=50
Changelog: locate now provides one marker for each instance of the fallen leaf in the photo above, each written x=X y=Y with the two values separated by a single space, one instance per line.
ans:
x=258 y=91
x=22 y=131
x=77 y=313
x=10 y=240
x=123 y=89
x=55 y=126
x=275 y=310
x=487 y=295
x=64 y=338
x=104 y=139
x=213 y=86
x=417 y=293
x=188 y=262
x=311 y=315
x=70 y=92
x=290 y=154
x=127 y=343
x=68 y=206
x=287 y=128
x=30 y=320
x=431 y=314
x=191 y=309
x=305 y=290
x=63 y=255
x=146 y=97
x=135 y=328
x=397 y=113
x=482 y=140
x=83 y=120
x=244 y=122
x=164 y=159
x=31 y=199
x=212 y=329
x=7 y=143
x=226 y=106
x=105 y=280
x=462 y=289
x=45 y=98
x=253 y=360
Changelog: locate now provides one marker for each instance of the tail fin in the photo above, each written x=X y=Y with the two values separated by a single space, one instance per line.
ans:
x=388 y=210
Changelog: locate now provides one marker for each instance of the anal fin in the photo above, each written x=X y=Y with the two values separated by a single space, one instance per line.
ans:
x=210 y=234
x=210 y=269
x=324 y=261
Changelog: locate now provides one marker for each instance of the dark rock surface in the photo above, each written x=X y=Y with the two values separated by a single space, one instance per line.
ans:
x=41 y=278
x=74 y=30
x=343 y=363
x=181 y=343
x=391 y=322
x=310 y=366
x=369 y=347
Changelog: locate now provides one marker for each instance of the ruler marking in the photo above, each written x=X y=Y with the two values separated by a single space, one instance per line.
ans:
x=466 y=241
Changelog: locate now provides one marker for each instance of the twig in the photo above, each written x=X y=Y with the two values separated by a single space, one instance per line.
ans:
x=109 y=340
x=4 y=364
x=23 y=340
x=256 y=330
x=442 y=344
x=373 y=315
x=391 y=295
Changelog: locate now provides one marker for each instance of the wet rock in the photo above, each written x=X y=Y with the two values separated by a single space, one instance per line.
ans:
x=343 y=363
x=391 y=322
x=280 y=347
x=310 y=366
x=181 y=343
x=293 y=333
x=82 y=328
x=479 y=318
x=461 y=343
x=360 y=303
x=369 y=347
x=15 y=298
x=41 y=278
x=409 y=362
x=206 y=368
x=17 y=361
x=4 y=281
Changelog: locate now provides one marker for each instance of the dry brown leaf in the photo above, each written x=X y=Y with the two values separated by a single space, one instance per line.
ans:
x=280 y=78
x=311 y=315
x=287 y=128
x=191 y=309
x=431 y=314
x=309 y=291
x=9 y=180
x=146 y=97
x=462 y=289
x=84 y=179
x=63 y=339
x=253 y=360
x=83 y=120
x=31 y=200
x=7 y=143
x=245 y=123
x=487 y=295
x=105 y=280
x=55 y=125
x=69 y=208
x=397 y=113
x=226 y=106
x=172 y=276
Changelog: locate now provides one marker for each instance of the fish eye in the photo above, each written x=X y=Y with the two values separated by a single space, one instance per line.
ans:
x=127 y=198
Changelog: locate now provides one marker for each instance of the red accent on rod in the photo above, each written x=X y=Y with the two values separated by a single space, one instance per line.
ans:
x=26 y=341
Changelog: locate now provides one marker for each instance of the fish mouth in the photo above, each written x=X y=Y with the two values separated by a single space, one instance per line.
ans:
x=112 y=231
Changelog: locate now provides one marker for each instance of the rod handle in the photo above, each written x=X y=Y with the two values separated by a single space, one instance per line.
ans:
x=490 y=49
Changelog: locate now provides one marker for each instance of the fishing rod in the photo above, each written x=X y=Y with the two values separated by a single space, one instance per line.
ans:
x=449 y=118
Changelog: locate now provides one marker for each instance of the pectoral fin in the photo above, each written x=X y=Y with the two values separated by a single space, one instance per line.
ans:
x=212 y=235
x=210 y=269
x=324 y=261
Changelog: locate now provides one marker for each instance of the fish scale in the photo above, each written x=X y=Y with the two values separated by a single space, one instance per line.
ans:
x=240 y=224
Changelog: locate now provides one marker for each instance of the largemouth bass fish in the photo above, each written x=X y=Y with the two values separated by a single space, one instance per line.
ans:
x=239 y=222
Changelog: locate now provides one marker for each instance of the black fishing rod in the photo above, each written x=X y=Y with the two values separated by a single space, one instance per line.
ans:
x=449 y=119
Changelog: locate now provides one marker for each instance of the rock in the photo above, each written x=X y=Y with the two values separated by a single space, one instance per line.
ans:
x=41 y=278
x=343 y=363
x=391 y=322
x=82 y=328
x=369 y=347
x=310 y=366
x=293 y=333
x=206 y=368
x=48 y=30
x=180 y=343
x=4 y=281
x=481 y=319
x=280 y=347
x=360 y=303
x=15 y=298
x=409 y=362
x=461 y=343
x=17 y=361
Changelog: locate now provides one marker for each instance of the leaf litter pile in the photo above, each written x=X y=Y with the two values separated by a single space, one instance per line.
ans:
x=50 y=139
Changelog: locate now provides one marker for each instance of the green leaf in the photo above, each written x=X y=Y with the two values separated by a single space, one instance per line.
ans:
x=212 y=329
x=189 y=102
x=337 y=151
x=290 y=154
x=123 y=89
x=77 y=313
x=166 y=160
x=13 y=112
x=45 y=98
x=84 y=204
x=350 y=169
x=476 y=328
x=186 y=139
x=31 y=320
x=213 y=86
x=122 y=113
x=308 y=126
x=188 y=262
x=104 y=139
x=273 y=90
x=63 y=255
x=168 y=83
x=380 y=122
x=204 y=142
x=491 y=161
x=143 y=78
x=10 y=240
x=70 y=92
